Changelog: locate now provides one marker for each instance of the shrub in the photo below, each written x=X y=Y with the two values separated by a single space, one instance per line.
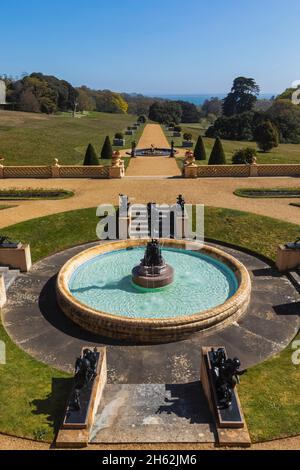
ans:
x=91 y=157
x=266 y=136
x=243 y=156
x=177 y=128
x=200 y=152
x=119 y=135
x=106 y=152
x=142 y=119
x=217 y=156
x=187 y=136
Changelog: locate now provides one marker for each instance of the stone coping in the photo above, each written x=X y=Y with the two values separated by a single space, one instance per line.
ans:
x=147 y=329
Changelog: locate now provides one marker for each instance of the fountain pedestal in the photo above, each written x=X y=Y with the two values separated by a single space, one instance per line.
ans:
x=153 y=272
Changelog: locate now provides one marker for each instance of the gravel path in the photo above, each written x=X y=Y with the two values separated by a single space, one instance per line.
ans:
x=153 y=135
x=15 y=443
x=153 y=166
x=216 y=192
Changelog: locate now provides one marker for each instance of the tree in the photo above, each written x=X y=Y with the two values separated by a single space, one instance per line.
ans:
x=189 y=112
x=91 y=157
x=28 y=102
x=212 y=106
x=242 y=97
x=266 y=136
x=200 y=152
x=243 y=156
x=85 y=101
x=217 y=156
x=165 y=112
x=286 y=117
x=106 y=152
x=238 y=127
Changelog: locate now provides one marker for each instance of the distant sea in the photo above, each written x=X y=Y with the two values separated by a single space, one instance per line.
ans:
x=199 y=99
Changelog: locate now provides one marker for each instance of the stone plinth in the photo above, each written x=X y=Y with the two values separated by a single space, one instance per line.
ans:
x=229 y=433
x=17 y=258
x=190 y=171
x=78 y=436
x=2 y=292
x=287 y=258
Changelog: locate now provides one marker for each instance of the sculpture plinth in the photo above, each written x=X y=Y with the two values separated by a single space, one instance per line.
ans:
x=153 y=272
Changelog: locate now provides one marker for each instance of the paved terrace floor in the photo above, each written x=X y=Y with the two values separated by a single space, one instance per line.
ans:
x=216 y=192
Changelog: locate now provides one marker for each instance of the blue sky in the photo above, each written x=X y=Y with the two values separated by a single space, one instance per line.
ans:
x=154 y=46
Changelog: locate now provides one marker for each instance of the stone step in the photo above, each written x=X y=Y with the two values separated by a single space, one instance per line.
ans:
x=296 y=276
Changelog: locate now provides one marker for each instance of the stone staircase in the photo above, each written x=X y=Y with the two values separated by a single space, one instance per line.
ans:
x=140 y=227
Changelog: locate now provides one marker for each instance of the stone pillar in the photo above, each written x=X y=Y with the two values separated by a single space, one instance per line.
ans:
x=2 y=292
x=253 y=170
x=55 y=169
x=117 y=169
x=190 y=169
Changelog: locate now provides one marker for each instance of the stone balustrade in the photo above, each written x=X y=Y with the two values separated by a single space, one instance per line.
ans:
x=192 y=170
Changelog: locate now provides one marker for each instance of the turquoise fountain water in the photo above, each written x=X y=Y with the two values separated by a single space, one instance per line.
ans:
x=200 y=283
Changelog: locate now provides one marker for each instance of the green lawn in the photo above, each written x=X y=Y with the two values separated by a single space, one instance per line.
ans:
x=269 y=392
x=29 y=139
x=270 y=397
x=285 y=153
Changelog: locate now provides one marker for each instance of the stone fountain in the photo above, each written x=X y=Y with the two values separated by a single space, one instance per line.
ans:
x=153 y=272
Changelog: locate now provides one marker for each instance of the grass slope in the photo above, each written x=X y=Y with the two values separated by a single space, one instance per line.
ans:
x=35 y=139
x=34 y=394
x=285 y=153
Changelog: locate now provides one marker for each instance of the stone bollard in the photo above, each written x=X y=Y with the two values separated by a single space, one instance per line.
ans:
x=55 y=169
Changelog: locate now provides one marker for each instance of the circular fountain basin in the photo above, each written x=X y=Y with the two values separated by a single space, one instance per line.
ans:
x=210 y=289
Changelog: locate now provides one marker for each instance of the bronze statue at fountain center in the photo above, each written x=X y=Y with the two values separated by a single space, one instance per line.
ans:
x=153 y=272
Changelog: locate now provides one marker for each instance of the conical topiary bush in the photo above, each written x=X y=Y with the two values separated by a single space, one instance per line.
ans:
x=91 y=157
x=200 y=152
x=217 y=156
x=107 y=151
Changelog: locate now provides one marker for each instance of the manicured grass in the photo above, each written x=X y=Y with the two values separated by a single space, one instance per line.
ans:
x=29 y=194
x=285 y=153
x=35 y=139
x=32 y=395
x=268 y=192
x=270 y=397
x=269 y=392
